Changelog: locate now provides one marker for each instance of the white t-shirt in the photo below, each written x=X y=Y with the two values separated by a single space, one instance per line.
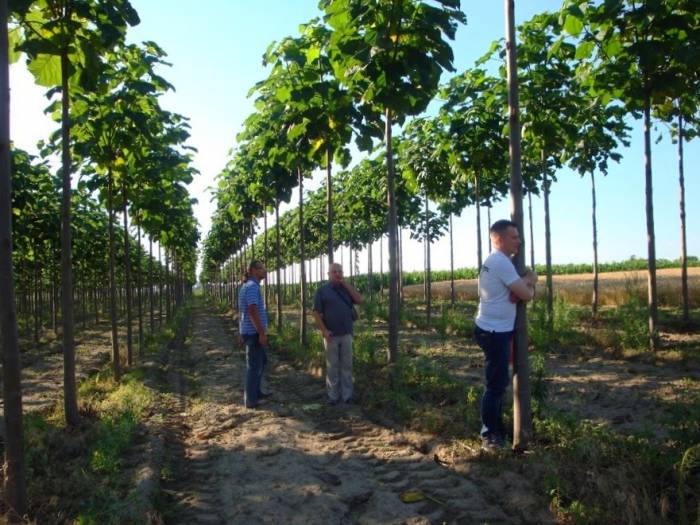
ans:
x=496 y=313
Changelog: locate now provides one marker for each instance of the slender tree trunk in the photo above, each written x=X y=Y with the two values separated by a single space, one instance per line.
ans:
x=381 y=267
x=70 y=393
x=594 y=301
x=452 y=266
x=329 y=205
x=399 y=259
x=651 y=237
x=150 y=284
x=479 y=254
x=532 y=231
x=139 y=286
x=127 y=277
x=488 y=219
x=14 y=489
x=37 y=291
x=369 y=271
x=548 y=249
x=279 y=263
x=393 y=245
x=267 y=284
x=116 y=364
x=160 y=288
x=684 y=249
x=522 y=415
x=302 y=272
x=428 y=277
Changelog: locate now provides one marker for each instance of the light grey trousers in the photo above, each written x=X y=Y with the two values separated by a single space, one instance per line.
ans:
x=339 y=367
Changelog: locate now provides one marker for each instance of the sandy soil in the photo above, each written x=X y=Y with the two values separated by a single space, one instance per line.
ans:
x=297 y=460
x=628 y=396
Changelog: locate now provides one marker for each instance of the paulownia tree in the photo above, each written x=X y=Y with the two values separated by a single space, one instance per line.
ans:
x=390 y=55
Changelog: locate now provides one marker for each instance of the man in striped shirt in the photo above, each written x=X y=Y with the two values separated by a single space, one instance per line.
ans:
x=253 y=330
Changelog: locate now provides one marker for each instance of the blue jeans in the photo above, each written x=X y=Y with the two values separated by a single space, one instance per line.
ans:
x=496 y=347
x=255 y=361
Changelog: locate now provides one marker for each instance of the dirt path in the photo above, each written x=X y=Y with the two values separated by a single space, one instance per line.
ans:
x=296 y=460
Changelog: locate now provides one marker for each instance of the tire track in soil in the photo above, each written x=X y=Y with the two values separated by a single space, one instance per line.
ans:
x=295 y=459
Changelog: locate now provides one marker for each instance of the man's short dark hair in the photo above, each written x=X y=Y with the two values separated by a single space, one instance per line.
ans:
x=500 y=227
x=255 y=264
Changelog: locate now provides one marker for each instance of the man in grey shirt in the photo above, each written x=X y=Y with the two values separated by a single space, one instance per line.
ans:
x=333 y=311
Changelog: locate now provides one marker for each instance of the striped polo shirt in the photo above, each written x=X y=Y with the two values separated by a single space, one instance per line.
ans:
x=250 y=294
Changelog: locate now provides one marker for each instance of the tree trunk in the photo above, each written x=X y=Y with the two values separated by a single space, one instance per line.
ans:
x=651 y=237
x=548 y=249
x=279 y=263
x=139 y=286
x=302 y=271
x=488 y=219
x=267 y=284
x=522 y=415
x=479 y=254
x=160 y=287
x=452 y=267
x=14 y=489
x=532 y=231
x=381 y=267
x=594 y=300
x=150 y=284
x=428 y=284
x=127 y=277
x=329 y=205
x=70 y=394
x=393 y=245
x=369 y=271
x=684 y=249
x=116 y=364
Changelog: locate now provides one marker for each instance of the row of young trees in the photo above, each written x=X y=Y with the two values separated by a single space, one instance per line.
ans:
x=133 y=167
x=575 y=110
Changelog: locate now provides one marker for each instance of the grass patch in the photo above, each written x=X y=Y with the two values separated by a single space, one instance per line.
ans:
x=78 y=474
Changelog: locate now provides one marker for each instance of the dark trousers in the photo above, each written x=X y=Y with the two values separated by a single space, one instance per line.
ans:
x=496 y=347
x=255 y=361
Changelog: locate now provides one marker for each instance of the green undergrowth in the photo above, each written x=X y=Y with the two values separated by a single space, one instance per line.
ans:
x=85 y=474
x=592 y=474
x=79 y=474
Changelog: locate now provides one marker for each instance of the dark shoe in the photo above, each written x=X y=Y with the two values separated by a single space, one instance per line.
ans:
x=264 y=395
x=350 y=401
x=332 y=402
x=493 y=444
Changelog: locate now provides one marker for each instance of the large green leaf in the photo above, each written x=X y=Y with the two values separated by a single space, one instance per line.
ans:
x=15 y=38
x=573 y=25
x=46 y=70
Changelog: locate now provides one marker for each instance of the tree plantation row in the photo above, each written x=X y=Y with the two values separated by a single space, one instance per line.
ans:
x=363 y=69
x=77 y=232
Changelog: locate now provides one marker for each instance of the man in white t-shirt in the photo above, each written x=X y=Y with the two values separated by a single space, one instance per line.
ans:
x=500 y=287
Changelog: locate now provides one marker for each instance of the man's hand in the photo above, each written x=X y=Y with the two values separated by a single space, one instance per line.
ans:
x=531 y=277
x=262 y=339
x=240 y=340
x=513 y=298
x=327 y=335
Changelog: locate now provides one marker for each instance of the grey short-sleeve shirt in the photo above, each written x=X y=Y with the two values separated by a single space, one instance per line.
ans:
x=335 y=311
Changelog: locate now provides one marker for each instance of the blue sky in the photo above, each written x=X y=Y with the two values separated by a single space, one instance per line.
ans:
x=216 y=47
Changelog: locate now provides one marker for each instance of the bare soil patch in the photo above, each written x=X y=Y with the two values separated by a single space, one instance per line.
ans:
x=297 y=460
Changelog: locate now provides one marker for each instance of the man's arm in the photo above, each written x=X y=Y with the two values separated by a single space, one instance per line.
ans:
x=524 y=288
x=257 y=323
x=354 y=294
